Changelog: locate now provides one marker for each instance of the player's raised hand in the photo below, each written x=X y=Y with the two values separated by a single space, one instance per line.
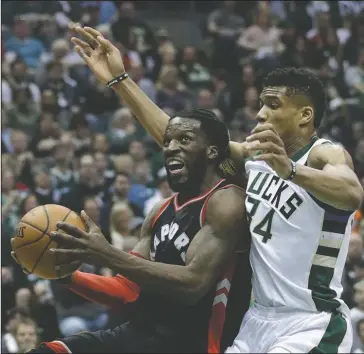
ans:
x=101 y=56
x=76 y=245
x=265 y=140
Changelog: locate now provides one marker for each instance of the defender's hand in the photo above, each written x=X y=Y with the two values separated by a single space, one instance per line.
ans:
x=82 y=246
x=101 y=56
x=264 y=139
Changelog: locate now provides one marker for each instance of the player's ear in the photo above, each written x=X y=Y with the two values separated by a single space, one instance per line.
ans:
x=306 y=115
x=212 y=152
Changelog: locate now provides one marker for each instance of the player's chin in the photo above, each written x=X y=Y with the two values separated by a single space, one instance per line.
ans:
x=178 y=181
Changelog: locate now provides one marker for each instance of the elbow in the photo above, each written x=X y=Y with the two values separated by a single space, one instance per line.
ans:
x=353 y=197
x=357 y=196
x=195 y=289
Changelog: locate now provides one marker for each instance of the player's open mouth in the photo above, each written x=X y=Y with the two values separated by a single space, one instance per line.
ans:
x=175 y=165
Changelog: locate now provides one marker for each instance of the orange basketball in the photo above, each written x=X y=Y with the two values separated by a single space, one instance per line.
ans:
x=32 y=241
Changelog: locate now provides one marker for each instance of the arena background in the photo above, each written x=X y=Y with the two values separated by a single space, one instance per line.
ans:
x=67 y=139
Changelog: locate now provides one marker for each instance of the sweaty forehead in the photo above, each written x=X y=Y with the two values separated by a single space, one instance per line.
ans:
x=273 y=91
x=183 y=125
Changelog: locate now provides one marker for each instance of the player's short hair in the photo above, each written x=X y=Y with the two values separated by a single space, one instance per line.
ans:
x=215 y=130
x=301 y=82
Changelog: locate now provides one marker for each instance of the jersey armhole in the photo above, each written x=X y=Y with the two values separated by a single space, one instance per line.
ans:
x=161 y=210
x=330 y=209
x=204 y=206
x=325 y=142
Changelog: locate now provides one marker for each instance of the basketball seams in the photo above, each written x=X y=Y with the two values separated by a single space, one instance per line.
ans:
x=36 y=228
x=47 y=245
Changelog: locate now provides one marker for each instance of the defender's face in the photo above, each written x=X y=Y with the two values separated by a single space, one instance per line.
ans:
x=184 y=152
x=279 y=110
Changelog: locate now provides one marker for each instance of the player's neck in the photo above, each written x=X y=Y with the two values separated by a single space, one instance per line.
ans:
x=211 y=179
x=296 y=144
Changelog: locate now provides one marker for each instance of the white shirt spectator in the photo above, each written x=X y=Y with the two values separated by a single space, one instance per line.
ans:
x=149 y=204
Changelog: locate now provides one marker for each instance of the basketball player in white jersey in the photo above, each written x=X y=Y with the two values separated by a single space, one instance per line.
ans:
x=302 y=193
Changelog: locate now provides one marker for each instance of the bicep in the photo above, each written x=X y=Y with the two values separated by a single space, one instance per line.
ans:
x=216 y=242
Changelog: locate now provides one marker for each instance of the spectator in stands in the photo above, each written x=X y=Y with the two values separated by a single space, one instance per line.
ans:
x=117 y=194
x=355 y=257
x=355 y=41
x=61 y=174
x=63 y=86
x=26 y=335
x=120 y=218
x=137 y=152
x=92 y=209
x=224 y=25
x=89 y=184
x=357 y=312
x=171 y=93
x=19 y=78
x=19 y=160
x=122 y=129
x=23 y=45
x=205 y=99
x=247 y=78
x=194 y=75
x=99 y=103
x=248 y=114
x=360 y=331
x=8 y=341
x=262 y=40
x=46 y=137
x=135 y=34
x=163 y=191
x=24 y=113
x=354 y=77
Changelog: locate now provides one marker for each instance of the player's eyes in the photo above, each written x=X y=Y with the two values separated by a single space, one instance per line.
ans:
x=274 y=105
x=185 y=139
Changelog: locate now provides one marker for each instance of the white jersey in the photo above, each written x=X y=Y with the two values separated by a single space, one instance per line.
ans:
x=299 y=244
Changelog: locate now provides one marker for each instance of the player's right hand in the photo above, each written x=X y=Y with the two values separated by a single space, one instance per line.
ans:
x=101 y=56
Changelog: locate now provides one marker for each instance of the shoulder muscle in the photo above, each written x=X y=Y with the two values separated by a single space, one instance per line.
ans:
x=329 y=154
x=226 y=206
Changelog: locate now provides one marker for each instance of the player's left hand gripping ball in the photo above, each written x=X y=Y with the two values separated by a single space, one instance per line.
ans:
x=265 y=139
x=76 y=245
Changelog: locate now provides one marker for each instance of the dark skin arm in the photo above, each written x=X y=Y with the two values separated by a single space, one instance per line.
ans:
x=206 y=257
x=329 y=176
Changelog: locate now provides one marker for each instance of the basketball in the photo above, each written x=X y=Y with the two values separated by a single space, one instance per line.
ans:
x=32 y=241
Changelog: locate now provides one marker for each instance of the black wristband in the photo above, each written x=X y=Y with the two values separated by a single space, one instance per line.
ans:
x=117 y=80
x=293 y=172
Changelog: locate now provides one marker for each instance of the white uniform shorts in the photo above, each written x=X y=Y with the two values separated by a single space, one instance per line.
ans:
x=282 y=330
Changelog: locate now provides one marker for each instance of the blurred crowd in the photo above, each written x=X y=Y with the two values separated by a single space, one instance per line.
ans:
x=69 y=140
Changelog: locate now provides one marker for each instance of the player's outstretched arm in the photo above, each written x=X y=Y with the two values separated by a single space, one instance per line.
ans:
x=205 y=259
x=105 y=61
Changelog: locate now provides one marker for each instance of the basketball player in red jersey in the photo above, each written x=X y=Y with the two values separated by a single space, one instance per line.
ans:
x=180 y=274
